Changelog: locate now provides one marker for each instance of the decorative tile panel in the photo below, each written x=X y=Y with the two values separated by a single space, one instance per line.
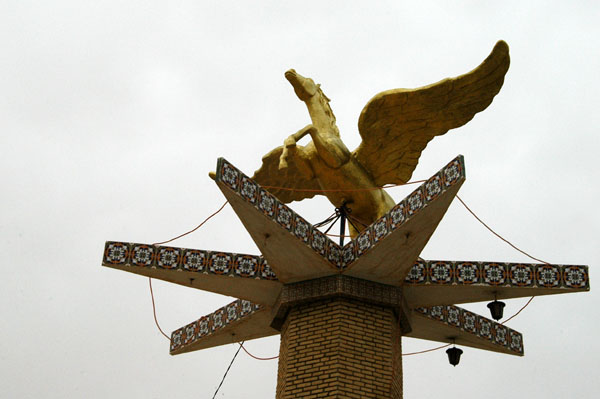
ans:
x=302 y=229
x=168 y=258
x=453 y=172
x=548 y=276
x=466 y=272
x=415 y=201
x=521 y=275
x=433 y=187
x=575 y=276
x=319 y=242
x=418 y=273
x=195 y=260
x=363 y=242
x=380 y=229
x=479 y=326
x=249 y=190
x=441 y=273
x=207 y=325
x=246 y=266
x=348 y=255
x=498 y=274
x=183 y=259
x=494 y=273
x=267 y=203
x=142 y=255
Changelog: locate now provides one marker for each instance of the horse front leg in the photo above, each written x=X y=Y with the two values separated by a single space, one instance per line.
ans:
x=289 y=145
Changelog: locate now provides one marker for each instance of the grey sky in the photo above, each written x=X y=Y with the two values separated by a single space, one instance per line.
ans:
x=112 y=113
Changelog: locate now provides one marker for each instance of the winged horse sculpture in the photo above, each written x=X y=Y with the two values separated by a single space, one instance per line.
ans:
x=395 y=127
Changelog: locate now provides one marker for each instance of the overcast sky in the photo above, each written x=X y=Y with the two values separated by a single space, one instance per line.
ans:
x=112 y=113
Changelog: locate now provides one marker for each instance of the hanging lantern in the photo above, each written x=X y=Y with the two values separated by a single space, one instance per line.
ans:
x=454 y=355
x=496 y=309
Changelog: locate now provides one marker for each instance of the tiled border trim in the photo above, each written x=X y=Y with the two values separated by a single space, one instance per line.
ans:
x=334 y=286
x=209 y=324
x=530 y=275
x=184 y=259
x=451 y=174
x=477 y=325
x=278 y=212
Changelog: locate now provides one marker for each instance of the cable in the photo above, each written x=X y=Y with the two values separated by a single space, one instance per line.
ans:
x=226 y=371
x=329 y=219
x=154 y=310
x=515 y=315
x=195 y=228
x=498 y=235
x=164 y=242
x=255 y=357
x=343 y=190
x=425 y=351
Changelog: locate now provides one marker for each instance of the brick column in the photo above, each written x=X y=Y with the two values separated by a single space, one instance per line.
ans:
x=336 y=345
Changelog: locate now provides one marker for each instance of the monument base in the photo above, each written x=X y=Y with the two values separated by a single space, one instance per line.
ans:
x=340 y=348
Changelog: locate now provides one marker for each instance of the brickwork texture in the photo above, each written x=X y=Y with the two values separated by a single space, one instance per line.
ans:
x=340 y=348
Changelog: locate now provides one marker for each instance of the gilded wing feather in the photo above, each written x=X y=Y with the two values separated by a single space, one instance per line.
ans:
x=269 y=176
x=396 y=125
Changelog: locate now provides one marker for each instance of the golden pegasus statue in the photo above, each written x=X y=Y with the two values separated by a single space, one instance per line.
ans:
x=395 y=126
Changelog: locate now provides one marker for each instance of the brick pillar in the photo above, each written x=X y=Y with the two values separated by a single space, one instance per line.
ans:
x=340 y=347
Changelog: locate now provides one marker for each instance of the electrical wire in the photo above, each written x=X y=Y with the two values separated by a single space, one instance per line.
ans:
x=256 y=357
x=154 y=310
x=515 y=315
x=164 y=242
x=426 y=350
x=498 y=235
x=227 y=371
x=343 y=190
x=195 y=228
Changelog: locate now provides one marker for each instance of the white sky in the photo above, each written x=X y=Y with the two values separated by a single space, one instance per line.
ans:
x=112 y=113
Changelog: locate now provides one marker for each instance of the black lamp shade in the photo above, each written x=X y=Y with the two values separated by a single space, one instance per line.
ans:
x=497 y=309
x=454 y=355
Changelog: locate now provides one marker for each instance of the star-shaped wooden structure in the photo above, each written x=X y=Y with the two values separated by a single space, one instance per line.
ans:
x=339 y=307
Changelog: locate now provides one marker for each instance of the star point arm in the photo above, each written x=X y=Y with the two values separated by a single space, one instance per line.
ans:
x=294 y=248
x=238 y=321
x=452 y=324
x=239 y=275
x=436 y=282
x=388 y=248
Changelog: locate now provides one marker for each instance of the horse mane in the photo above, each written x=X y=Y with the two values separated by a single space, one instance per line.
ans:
x=324 y=101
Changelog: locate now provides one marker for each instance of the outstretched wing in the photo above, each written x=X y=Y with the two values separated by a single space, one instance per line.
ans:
x=297 y=185
x=396 y=125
